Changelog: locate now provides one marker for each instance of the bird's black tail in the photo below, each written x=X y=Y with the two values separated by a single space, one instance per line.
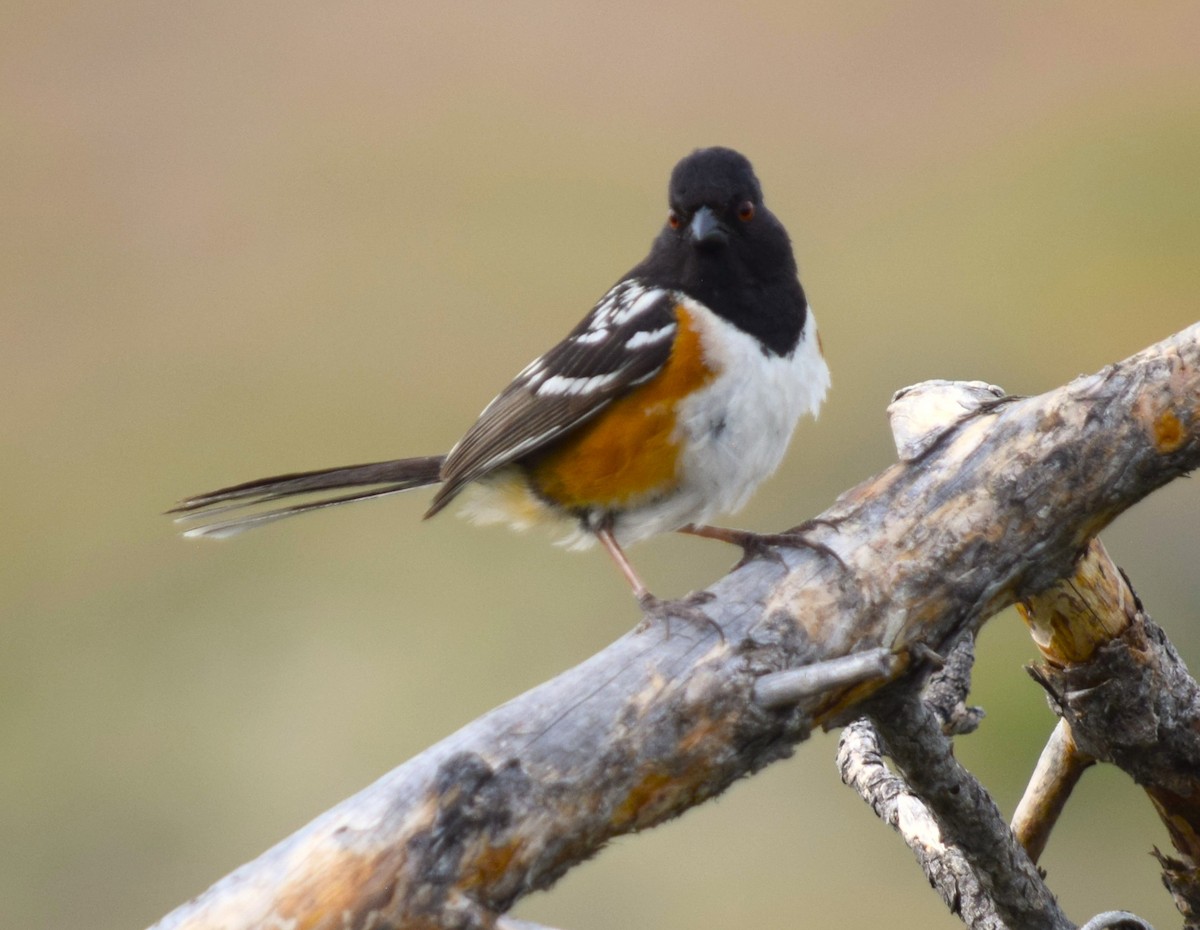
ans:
x=391 y=477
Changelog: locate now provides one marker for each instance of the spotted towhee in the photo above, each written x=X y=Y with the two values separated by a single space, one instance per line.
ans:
x=668 y=404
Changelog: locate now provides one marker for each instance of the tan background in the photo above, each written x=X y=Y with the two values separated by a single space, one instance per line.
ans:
x=242 y=239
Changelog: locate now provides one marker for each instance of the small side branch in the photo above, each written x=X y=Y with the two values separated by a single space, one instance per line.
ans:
x=787 y=688
x=512 y=923
x=1058 y=770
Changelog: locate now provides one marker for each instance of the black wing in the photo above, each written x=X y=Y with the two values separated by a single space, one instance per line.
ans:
x=625 y=340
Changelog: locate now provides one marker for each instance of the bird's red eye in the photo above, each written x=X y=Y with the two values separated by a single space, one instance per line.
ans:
x=745 y=211
x=674 y=220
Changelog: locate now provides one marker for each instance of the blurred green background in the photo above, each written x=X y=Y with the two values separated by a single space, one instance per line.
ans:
x=244 y=239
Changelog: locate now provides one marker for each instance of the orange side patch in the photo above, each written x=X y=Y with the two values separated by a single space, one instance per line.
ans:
x=629 y=450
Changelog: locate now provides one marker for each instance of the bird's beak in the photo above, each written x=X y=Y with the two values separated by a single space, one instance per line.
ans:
x=706 y=229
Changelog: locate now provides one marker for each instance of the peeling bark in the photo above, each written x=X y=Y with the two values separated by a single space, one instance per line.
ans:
x=991 y=510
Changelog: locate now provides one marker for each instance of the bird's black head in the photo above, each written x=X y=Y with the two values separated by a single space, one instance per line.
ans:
x=723 y=247
x=717 y=178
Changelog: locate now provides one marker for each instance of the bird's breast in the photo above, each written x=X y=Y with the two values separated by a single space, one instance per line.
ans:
x=739 y=425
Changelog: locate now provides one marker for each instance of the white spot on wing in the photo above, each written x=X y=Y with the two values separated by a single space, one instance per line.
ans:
x=642 y=300
x=571 y=387
x=592 y=336
x=648 y=338
x=609 y=303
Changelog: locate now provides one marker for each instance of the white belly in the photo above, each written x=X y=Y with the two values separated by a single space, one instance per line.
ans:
x=735 y=430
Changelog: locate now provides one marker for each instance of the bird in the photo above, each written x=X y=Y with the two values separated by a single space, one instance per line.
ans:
x=667 y=405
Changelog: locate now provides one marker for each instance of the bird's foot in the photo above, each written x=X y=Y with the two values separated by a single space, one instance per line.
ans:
x=686 y=609
x=797 y=538
x=765 y=545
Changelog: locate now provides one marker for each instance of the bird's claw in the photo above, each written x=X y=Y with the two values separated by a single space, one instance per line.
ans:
x=686 y=609
x=798 y=538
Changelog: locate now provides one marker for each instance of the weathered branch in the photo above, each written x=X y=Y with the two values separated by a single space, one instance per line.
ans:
x=995 y=509
x=951 y=870
x=512 y=923
x=860 y=762
x=1058 y=770
x=979 y=870
x=789 y=687
x=968 y=816
x=1125 y=697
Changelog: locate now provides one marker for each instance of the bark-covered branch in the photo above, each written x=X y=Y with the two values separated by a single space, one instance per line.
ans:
x=860 y=761
x=1079 y=623
x=1124 y=696
x=994 y=509
x=969 y=820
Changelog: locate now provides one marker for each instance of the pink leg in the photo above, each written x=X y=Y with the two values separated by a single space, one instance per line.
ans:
x=613 y=548
x=742 y=538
